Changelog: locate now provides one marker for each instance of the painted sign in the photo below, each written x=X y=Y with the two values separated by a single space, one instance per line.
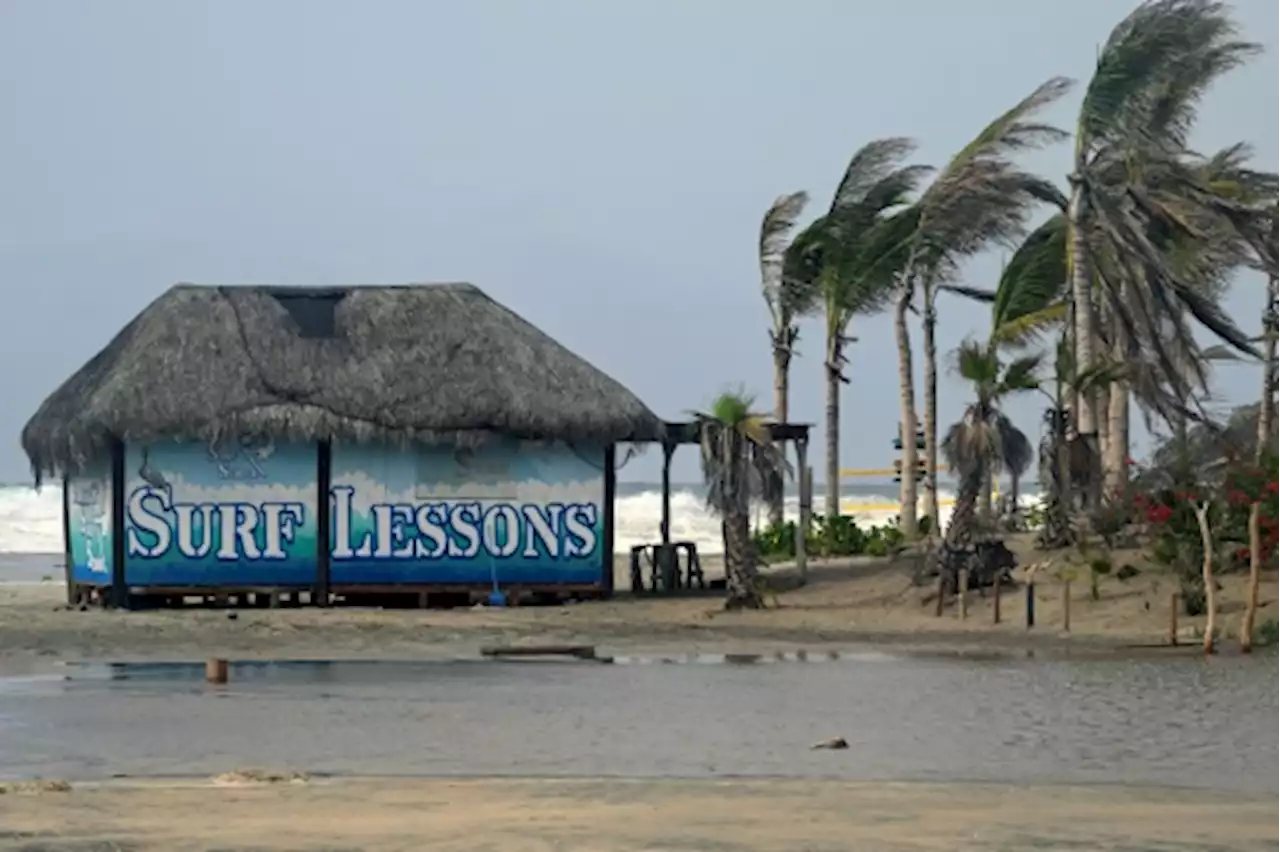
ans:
x=515 y=511
x=240 y=512
x=243 y=513
x=89 y=502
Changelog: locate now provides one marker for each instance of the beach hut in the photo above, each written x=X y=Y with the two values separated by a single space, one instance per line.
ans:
x=251 y=440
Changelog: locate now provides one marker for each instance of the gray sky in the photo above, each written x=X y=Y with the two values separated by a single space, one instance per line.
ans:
x=599 y=167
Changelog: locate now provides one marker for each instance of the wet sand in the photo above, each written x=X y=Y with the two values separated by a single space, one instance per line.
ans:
x=850 y=603
x=606 y=815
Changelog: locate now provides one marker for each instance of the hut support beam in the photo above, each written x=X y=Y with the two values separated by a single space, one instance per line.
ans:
x=119 y=589
x=324 y=482
x=610 y=496
x=68 y=557
x=804 y=479
x=668 y=450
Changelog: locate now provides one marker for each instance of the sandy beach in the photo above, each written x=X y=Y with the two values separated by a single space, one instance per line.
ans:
x=853 y=605
x=606 y=815
x=846 y=603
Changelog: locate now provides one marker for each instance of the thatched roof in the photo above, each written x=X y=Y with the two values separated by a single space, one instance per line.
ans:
x=431 y=363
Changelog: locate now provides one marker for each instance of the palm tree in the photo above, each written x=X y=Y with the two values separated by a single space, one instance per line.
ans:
x=738 y=459
x=788 y=299
x=1016 y=456
x=980 y=198
x=1130 y=133
x=1265 y=441
x=1028 y=302
x=973 y=447
x=1266 y=438
x=848 y=256
x=1204 y=247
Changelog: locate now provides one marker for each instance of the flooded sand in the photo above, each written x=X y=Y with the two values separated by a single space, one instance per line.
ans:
x=1177 y=723
x=1159 y=756
x=612 y=815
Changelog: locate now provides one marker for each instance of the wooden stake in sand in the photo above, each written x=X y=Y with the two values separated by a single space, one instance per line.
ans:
x=1173 y=619
x=995 y=602
x=1206 y=569
x=215 y=670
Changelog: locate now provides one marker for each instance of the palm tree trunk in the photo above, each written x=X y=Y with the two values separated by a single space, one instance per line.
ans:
x=1102 y=400
x=1266 y=434
x=1117 y=460
x=781 y=392
x=1115 y=440
x=739 y=562
x=1267 y=408
x=985 y=507
x=833 y=428
x=963 y=523
x=907 y=402
x=930 y=410
x=1255 y=578
x=1085 y=332
x=1206 y=572
x=1181 y=444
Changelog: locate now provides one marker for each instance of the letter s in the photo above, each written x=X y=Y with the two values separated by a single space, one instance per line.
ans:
x=142 y=518
x=580 y=523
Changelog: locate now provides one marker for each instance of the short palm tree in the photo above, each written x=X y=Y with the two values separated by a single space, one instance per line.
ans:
x=1028 y=302
x=787 y=299
x=973 y=447
x=1016 y=456
x=738 y=460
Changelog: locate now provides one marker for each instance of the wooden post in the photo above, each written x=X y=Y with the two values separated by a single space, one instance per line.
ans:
x=942 y=590
x=1255 y=567
x=805 y=484
x=324 y=543
x=664 y=527
x=1210 y=590
x=610 y=508
x=1031 y=605
x=215 y=670
x=68 y=556
x=964 y=593
x=995 y=603
x=1173 y=619
x=1066 y=606
x=119 y=581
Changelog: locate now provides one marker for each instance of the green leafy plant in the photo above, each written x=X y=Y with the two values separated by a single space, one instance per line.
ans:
x=1266 y=634
x=1098 y=568
x=1033 y=516
x=831 y=537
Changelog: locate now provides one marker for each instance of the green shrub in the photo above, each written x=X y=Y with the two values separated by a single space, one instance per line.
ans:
x=1266 y=634
x=777 y=541
x=838 y=536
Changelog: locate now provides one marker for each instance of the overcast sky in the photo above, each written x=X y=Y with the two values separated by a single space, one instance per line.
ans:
x=600 y=167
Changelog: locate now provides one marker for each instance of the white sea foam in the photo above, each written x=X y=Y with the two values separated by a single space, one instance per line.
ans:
x=31 y=521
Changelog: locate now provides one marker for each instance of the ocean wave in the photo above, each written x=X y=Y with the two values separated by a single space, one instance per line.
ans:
x=31 y=521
